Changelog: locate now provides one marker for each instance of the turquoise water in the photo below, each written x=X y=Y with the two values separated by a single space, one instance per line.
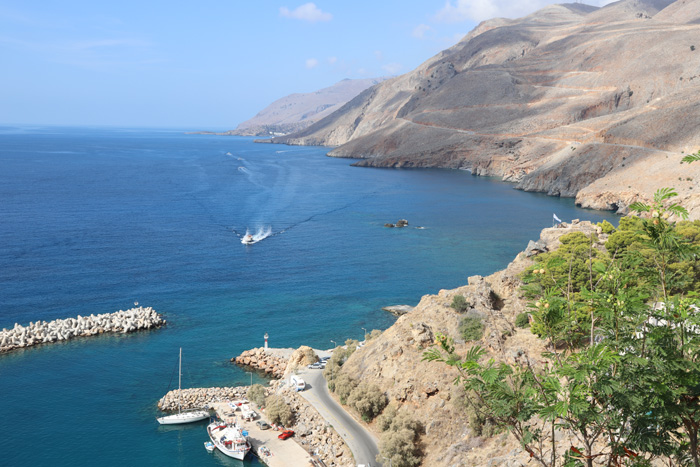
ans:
x=92 y=220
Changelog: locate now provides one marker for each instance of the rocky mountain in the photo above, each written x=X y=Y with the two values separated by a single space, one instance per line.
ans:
x=298 y=111
x=594 y=103
x=426 y=390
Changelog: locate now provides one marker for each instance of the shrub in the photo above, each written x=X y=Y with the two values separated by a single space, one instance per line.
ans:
x=278 y=412
x=459 y=303
x=398 y=442
x=522 y=320
x=338 y=358
x=387 y=416
x=344 y=385
x=607 y=227
x=479 y=422
x=331 y=372
x=256 y=394
x=374 y=334
x=368 y=400
x=471 y=328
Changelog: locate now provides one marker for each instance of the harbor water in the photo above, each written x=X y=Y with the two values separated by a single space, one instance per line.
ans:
x=94 y=219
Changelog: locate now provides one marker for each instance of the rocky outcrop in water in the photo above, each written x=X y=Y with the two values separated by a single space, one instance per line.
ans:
x=42 y=332
x=272 y=364
x=398 y=310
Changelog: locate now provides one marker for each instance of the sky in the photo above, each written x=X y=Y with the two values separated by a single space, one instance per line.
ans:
x=211 y=64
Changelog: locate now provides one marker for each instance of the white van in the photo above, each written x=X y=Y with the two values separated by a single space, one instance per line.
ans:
x=298 y=383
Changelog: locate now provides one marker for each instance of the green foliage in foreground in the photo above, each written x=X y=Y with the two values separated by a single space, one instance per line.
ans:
x=622 y=371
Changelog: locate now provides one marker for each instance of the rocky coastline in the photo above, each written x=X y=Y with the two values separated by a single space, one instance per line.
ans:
x=42 y=332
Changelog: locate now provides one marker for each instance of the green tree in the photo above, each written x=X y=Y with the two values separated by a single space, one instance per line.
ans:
x=398 y=442
x=368 y=400
x=277 y=411
x=256 y=393
x=628 y=394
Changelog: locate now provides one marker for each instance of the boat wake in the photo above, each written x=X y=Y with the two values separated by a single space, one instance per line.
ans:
x=261 y=234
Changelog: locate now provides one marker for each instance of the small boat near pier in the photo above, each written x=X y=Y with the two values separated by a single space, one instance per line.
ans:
x=229 y=439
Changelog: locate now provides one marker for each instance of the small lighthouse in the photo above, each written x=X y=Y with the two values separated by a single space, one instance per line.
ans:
x=266 y=336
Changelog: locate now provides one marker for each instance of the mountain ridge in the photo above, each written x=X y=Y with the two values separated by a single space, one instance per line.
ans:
x=571 y=100
x=297 y=111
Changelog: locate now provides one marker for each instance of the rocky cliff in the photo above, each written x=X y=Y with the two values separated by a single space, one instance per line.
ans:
x=393 y=360
x=572 y=100
x=298 y=111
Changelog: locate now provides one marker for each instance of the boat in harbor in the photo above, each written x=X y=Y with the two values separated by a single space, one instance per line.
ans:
x=229 y=439
x=188 y=416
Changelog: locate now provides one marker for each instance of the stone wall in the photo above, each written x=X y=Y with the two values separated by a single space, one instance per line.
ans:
x=42 y=332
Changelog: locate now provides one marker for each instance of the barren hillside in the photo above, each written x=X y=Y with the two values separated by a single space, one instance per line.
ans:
x=572 y=100
x=393 y=361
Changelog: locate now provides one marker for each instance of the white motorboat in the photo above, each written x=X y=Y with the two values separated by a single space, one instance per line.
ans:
x=228 y=439
x=188 y=416
x=209 y=446
x=247 y=239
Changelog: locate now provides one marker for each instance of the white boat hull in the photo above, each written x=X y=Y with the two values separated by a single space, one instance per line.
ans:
x=184 y=417
x=229 y=440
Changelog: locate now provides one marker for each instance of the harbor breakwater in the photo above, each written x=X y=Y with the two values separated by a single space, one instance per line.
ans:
x=264 y=360
x=42 y=332
x=197 y=398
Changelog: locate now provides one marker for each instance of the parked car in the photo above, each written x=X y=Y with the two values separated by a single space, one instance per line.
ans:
x=325 y=359
x=315 y=366
x=286 y=434
x=262 y=425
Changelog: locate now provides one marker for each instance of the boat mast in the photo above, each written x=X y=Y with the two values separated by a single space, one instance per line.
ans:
x=179 y=385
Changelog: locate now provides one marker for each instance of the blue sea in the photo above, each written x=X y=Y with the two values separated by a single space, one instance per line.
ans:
x=94 y=219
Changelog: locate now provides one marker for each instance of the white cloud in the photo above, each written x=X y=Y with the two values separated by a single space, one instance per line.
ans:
x=306 y=12
x=392 y=68
x=420 y=30
x=332 y=60
x=379 y=55
x=457 y=11
x=311 y=63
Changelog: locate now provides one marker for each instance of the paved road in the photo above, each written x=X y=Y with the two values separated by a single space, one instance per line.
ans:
x=360 y=441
